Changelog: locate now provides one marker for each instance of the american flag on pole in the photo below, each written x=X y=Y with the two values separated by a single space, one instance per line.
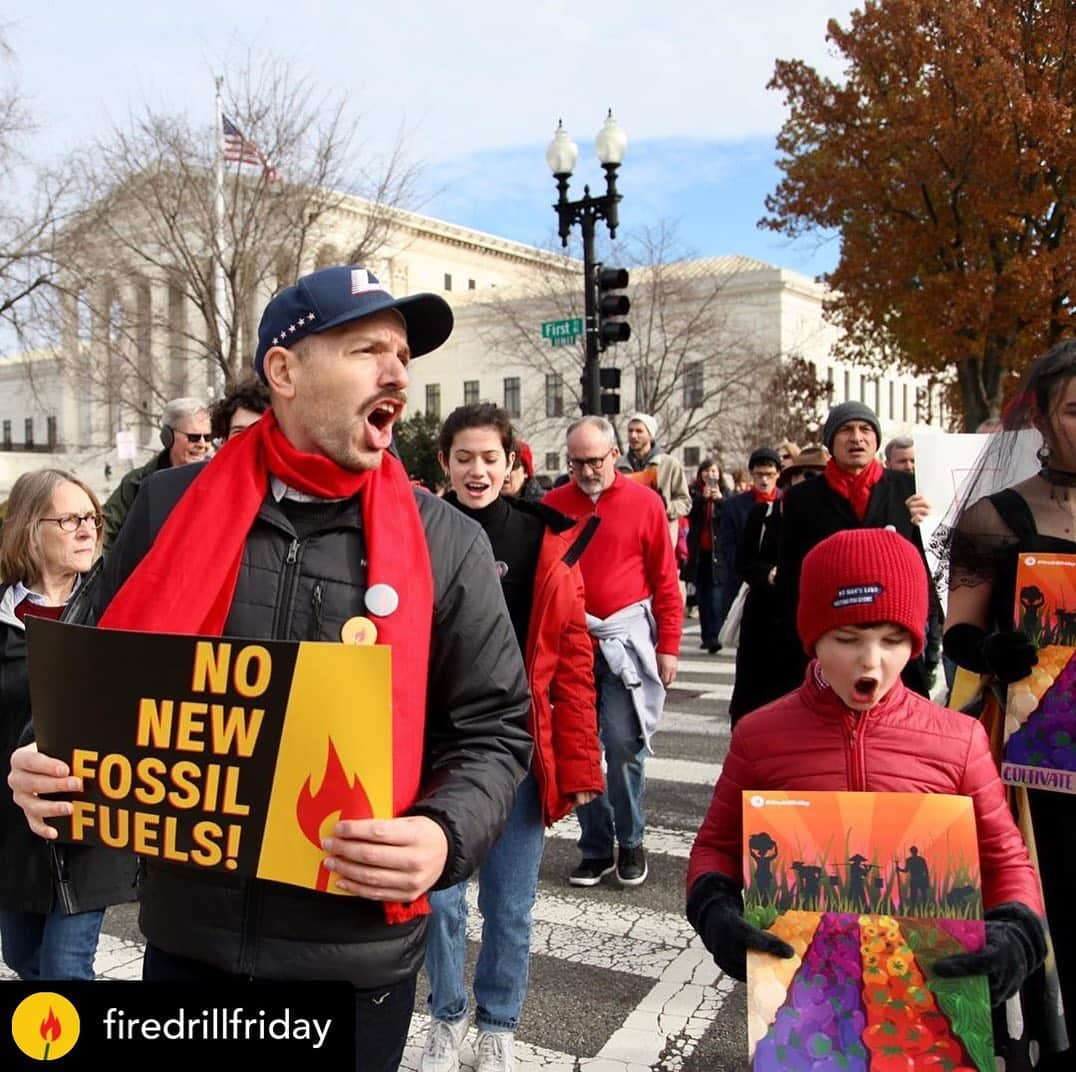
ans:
x=239 y=150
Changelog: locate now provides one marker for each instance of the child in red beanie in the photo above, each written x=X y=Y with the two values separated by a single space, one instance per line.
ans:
x=852 y=725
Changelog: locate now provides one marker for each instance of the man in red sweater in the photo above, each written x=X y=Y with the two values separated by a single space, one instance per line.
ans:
x=635 y=614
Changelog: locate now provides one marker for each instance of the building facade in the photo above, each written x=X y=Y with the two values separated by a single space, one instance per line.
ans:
x=706 y=337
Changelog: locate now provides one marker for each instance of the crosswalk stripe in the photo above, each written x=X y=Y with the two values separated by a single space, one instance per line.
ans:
x=713 y=669
x=659 y=839
x=684 y=722
x=718 y=694
x=684 y=771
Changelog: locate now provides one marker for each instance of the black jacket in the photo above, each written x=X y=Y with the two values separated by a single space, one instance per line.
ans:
x=811 y=512
x=696 y=520
x=37 y=875
x=476 y=745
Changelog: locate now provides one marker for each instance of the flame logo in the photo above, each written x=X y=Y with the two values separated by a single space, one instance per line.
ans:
x=340 y=795
x=51 y=1028
x=45 y=1026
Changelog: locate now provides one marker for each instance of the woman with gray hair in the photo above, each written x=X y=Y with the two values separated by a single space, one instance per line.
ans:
x=52 y=898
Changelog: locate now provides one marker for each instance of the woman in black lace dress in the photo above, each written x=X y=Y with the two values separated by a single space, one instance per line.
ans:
x=1032 y=513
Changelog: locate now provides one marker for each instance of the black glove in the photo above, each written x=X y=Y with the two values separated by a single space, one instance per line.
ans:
x=1015 y=947
x=715 y=910
x=1008 y=655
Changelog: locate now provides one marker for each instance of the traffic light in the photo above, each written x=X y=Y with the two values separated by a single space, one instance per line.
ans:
x=610 y=396
x=612 y=306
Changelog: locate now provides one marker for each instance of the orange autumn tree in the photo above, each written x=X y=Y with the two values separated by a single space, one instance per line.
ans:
x=945 y=161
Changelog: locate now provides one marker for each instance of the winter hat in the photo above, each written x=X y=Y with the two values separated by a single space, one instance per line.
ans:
x=524 y=458
x=860 y=576
x=764 y=456
x=849 y=411
x=650 y=423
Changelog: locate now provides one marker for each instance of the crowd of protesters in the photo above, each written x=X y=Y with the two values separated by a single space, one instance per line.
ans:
x=535 y=627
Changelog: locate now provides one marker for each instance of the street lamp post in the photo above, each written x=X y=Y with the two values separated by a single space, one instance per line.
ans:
x=561 y=157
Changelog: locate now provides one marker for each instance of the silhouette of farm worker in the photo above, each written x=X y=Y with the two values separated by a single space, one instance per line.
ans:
x=1031 y=603
x=915 y=867
x=810 y=884
x=858 y=870
x=763 y=849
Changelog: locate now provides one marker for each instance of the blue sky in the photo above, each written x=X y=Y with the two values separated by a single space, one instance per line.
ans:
x=479 y=87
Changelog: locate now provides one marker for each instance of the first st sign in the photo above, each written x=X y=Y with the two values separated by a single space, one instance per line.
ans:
x=560 y=332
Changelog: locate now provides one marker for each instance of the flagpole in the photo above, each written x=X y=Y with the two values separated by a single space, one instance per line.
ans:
x=218 y=258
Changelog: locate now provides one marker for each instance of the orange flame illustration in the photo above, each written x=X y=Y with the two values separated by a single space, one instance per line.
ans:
x=51 y=1028
x=339 y=793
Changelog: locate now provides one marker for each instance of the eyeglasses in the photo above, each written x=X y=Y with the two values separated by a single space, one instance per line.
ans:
x=196 y=437
x=71 y=522
x=579 y=464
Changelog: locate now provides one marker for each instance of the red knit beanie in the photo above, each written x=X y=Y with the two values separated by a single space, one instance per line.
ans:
x=860 y=576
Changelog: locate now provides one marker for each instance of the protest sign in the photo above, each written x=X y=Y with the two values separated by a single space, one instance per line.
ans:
x=1040 y=710
x=870 y=890
x=226 y=755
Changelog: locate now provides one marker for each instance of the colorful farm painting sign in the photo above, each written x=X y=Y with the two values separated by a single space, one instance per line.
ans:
x=870 y=890
x=1040 y=712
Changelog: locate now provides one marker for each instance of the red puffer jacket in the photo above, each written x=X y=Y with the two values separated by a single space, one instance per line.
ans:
x=808 y=740
x=560 y=669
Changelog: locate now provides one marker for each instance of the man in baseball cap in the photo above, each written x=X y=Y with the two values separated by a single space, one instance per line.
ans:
x=305 y=528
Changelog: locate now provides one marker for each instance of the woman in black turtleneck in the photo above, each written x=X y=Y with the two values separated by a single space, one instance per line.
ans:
x=536 y=551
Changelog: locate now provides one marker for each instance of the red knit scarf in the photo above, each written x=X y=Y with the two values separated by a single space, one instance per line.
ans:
x=764 y=496
x=855 y=487
x=186 y=581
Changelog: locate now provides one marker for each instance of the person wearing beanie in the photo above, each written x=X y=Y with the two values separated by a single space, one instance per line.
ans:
x=856 y=492
x=853 y=725
x=520 y=482
x=669 y=479
x=764 y=466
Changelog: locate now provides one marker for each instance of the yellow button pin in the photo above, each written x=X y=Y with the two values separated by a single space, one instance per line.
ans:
x=358 y=630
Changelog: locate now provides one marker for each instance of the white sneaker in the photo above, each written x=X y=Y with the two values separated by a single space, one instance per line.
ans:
x=496 y=1051
x=442 y=1050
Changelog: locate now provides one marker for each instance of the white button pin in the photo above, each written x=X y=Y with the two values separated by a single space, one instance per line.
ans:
x=382 y=599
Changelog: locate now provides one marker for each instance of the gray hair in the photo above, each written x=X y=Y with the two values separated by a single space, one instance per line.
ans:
x=901 y=442
x=593 y=421
x=179 y=408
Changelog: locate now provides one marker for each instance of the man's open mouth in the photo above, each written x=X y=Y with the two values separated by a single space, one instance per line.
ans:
x=384 y=413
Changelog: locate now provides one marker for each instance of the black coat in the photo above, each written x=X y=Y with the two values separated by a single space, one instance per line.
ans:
x=812 y=511
x=36 y=874
x=477 y=749
x=696 y=521
x=733 y=519
x=754 y=653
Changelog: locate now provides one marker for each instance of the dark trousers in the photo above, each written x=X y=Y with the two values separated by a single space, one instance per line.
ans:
x=382 y=1015
x=708 y=596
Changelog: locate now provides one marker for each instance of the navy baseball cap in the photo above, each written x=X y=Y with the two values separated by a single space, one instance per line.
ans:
x=327 y=298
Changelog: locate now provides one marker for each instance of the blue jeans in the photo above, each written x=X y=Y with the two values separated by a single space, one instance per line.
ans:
x=619 y=811
x=55 y=946
x=708 y=596
x=507 y=883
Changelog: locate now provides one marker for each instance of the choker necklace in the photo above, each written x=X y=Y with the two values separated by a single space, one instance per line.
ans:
x=1058 y=477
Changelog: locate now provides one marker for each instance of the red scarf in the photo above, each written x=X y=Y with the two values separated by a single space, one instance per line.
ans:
x=765 y=496
x=855 y=487
x=186 y=581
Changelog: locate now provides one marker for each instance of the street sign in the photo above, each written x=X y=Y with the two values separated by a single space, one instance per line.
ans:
x=562 y=332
